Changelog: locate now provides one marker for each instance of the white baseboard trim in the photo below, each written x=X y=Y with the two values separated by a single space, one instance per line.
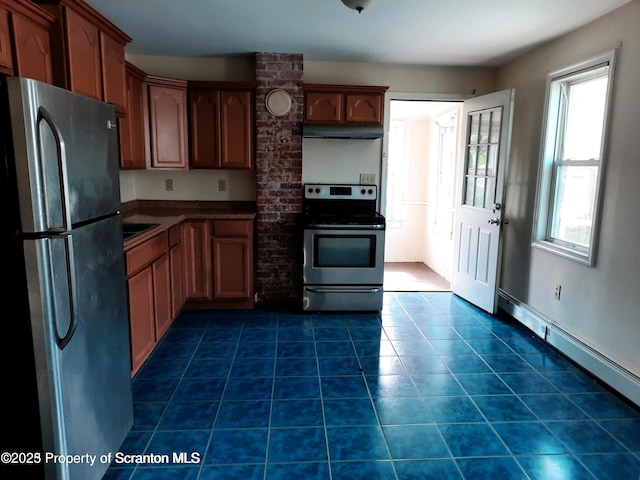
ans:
x=604 y=368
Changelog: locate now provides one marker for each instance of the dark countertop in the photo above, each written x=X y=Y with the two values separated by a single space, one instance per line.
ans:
x=166 y=214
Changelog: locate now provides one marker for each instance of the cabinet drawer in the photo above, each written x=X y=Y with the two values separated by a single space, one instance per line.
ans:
x=174 y=236
x=232 y=228
x=142 y=255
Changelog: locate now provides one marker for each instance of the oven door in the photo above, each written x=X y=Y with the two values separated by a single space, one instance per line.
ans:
x=352 y=255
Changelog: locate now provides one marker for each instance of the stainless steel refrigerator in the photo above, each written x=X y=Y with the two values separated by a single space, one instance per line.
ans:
x=66 y=358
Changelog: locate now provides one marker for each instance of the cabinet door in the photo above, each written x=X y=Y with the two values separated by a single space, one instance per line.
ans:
x=205 y=145
x=83 y=48
x=167 y=117
x=236 y=130
x=162 y=295
x=141 y=317
x=196 y=255
x=232 y=268
x=132 y=145
x=32 y=50
x=6 y=54
x=177 y=279
x=113 y=73
x=364 y=109
x=324 y=107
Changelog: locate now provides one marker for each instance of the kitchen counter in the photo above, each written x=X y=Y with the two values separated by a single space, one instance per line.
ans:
x=166 y=214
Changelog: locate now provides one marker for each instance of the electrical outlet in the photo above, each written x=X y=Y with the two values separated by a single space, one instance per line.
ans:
x=556 y=291
x=168 y=184
x=367 y=179
x=222 y=185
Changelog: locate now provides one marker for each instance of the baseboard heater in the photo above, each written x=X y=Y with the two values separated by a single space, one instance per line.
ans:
x=604 y=368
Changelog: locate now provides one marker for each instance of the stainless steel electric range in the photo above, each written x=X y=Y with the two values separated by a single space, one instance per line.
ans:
x=343 y=266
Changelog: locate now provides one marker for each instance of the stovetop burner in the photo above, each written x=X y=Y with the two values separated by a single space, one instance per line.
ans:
x=341 y=205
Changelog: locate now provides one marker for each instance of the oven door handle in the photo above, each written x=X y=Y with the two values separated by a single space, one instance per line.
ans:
x=324 y=226
x=344 y=290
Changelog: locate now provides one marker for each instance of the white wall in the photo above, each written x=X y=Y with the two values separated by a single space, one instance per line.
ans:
x=339 y=160
x=404 y=78
x=599 y=305
x=240 y=185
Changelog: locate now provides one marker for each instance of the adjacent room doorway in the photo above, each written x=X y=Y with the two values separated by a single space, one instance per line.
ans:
x=418 y=183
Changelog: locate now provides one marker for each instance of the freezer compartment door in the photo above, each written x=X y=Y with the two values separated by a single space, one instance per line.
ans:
x=77 y=297
x=66 y=156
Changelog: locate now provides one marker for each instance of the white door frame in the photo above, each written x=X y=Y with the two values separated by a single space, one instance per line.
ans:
x=384 y=164
x=388 y=97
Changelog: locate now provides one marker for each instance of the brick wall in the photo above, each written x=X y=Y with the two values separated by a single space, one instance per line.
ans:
x=278 y=180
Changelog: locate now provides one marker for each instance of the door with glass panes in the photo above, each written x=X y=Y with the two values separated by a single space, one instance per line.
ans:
x=479 y=205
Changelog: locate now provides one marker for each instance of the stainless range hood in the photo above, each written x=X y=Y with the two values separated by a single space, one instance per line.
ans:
x=317 y=130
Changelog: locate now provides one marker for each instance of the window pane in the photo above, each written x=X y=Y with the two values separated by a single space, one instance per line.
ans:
x=574 y=202
x=468 y=190
x=482 y=160
x=492 y=160
x=473 y=129
x=478 y=198
x=496 y=120
x=485 y=122
x=471 y=160
x=585 y=117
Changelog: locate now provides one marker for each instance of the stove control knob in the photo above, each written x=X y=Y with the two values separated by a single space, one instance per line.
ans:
x=370 y=191
x=310 y=190
x=317 y=190
x=362 y=191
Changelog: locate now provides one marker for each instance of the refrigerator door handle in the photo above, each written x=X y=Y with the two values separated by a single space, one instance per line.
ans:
x=65 y=306
x=61 y=174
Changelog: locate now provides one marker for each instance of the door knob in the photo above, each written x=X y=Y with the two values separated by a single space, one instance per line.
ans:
x=494 y=221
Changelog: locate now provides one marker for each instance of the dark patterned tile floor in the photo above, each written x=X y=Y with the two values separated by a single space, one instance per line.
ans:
x=429 y=388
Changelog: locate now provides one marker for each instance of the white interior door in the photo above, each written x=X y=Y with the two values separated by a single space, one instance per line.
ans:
x=479 y=206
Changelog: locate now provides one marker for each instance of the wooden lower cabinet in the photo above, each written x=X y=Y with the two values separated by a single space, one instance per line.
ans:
x=141 y=317
x=197 y=264
x=196 y=255
x=232 y=259
x=176 y=267
x=149 y=290
x=218 y=263
x=162 y=295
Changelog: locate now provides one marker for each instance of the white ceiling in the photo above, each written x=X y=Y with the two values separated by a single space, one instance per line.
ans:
x=431 y=32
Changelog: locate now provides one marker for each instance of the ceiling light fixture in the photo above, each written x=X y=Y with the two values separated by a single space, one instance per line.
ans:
x=358 y=5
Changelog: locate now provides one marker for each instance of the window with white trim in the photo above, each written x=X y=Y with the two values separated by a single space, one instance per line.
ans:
x=572 y=160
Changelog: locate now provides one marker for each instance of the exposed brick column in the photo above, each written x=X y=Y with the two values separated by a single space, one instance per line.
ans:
x=278 y=180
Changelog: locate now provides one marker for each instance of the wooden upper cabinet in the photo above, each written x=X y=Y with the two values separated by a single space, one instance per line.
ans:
x=133 y=151
x=114 y=76
x=6 y=51
x=324 y=107
x=167 y=123
x=221 y=125
x=33 y=50
x=204 y=124
x=89 y=54
x=25 y=41
x=83 y=50
x=365 y=108
x=341 y=104
x=236 y=129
